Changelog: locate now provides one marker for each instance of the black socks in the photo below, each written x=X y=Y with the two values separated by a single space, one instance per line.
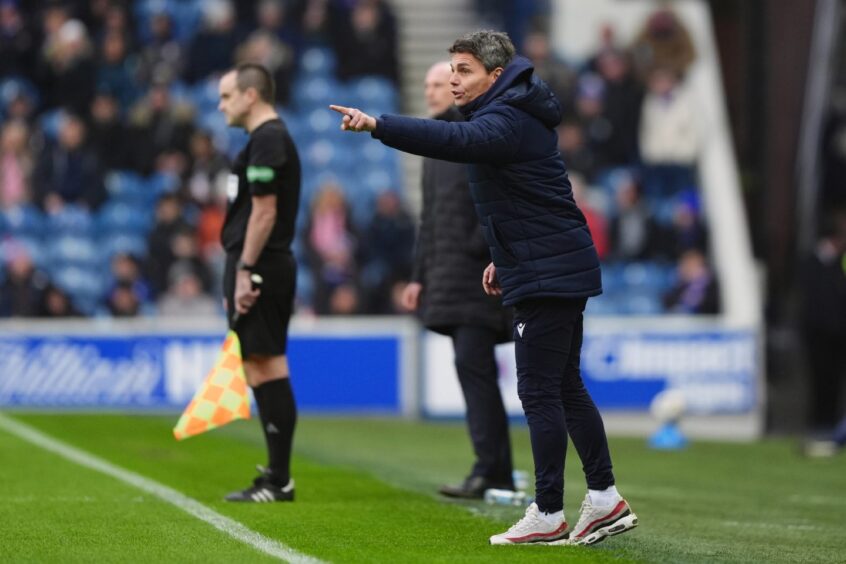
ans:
x=278 y=414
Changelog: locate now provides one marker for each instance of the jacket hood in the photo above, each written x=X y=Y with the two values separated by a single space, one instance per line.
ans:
x=518 y=87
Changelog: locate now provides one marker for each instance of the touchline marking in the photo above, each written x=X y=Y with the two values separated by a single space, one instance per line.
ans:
x=191 y=506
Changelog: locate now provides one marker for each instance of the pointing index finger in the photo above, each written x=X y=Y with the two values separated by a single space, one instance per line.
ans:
x=340 y=109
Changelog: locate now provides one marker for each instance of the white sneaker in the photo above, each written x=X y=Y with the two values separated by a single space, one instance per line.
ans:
x=596 y=523
x=532 y=528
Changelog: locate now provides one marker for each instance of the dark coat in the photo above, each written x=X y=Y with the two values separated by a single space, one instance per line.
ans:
x=537 y=236
x=451 y=253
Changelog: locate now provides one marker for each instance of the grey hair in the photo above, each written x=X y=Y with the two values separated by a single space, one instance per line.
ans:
x=492 y=48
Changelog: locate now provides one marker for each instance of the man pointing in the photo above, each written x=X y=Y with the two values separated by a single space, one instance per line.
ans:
x=543 y=263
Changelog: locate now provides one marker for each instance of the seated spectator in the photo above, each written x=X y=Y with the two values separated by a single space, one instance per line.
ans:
x=621 y=102
x=17 y=42
x=212 y=48
x=670 y=135
x=159 y=127
x=590 y=116
x=116 y=70
x=266 y=49
x=107 y=132
x=576 y=154
x=125 y=270
x=169 y=222
x=366 y=42
x=186 y=255
x=560 y=78
x=209 y=227
x=277 y=17
x=319 y=20
x=331 y=247
x=665 y=42
x=15 y=165
x=687 y=230
x=55 y=303
x=68 y=172
x=68 y=71
x=185 y=296
x=208 y=170
x=344 y=300
x=20 y=293
x=123 y=301
x=19 y=104
x=388 y=245
x=595 y=219
x=696 y=289
x=163 y=58
x=634 y=232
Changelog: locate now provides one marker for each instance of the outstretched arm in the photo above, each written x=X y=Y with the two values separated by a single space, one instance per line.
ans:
x=490 y=138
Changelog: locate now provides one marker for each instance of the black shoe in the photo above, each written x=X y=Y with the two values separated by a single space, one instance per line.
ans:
x=473 y=488
x=264 y=490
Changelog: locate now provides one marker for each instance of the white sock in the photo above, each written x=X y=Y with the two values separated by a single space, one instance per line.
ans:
x=604 y=498
x=553 y=518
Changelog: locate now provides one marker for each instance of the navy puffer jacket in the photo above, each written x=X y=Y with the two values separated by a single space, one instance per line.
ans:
x=538 y=238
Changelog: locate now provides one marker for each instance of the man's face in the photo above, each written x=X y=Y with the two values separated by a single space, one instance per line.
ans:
x=469 y=79
x=438 y=90
x=234 y=104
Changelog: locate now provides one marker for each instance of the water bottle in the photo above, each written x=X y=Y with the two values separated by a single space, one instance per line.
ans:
x=506 y=497
x=521 y=480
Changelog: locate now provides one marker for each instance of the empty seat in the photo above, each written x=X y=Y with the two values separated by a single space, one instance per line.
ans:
x=120 y=217
x=74 y=251
x=70 y=220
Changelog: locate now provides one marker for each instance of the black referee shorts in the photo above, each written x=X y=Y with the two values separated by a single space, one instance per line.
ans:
x=264 y=329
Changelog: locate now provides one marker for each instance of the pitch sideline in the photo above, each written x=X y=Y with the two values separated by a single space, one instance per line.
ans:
x=189 y=505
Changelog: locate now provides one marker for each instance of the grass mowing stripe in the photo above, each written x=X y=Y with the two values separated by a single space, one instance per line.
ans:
x=183 y=502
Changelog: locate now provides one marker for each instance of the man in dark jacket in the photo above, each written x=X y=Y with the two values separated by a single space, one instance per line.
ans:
x=544 y=263
x=449 y=260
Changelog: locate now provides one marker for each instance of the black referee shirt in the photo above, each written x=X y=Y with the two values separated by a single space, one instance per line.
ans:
x=269 y=164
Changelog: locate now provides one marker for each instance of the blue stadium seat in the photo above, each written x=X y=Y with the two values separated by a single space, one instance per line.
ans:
x=80 y=283
x=120 y=217
x=605 y=304
x=204 y=95
x=643 y=302
x=316 y=91
x=318 y=61
x=126 y=243
x=324 y=154
x=71 y=250
x=70 y=220
x=376 y=93
x=25 y=220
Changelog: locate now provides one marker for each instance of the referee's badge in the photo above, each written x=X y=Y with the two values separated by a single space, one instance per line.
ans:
x=232 y=187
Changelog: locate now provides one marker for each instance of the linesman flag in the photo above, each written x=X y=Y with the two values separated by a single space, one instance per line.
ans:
x=222 y=398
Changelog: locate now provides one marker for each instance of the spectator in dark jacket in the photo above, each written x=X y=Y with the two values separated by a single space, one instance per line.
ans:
x=366 y=42
x=211 y=50
x=449 y=260
x=823 y=323
x=69 y=172
x=696 y=290
x=544 y=263
x=388 y=242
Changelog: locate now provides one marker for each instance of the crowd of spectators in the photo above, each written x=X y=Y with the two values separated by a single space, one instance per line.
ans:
x=98 y=144
x=630 y=138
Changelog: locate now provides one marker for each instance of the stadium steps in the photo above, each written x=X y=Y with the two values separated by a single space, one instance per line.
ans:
x=426 y=30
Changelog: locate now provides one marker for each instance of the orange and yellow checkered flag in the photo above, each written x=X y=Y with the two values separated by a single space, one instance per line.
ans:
x=222 y=398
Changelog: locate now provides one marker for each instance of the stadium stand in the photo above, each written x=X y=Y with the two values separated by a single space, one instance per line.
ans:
x=615 y=104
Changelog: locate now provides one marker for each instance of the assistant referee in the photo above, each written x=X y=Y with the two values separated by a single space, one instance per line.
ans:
x=263 y=192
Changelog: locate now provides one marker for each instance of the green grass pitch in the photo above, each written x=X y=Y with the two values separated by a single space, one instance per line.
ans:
x=365 y=493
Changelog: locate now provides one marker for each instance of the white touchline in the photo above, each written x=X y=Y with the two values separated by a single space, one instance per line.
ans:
x=191 y=506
